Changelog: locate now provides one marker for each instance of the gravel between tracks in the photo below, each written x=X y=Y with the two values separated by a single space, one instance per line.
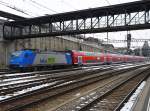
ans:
x=41 y=94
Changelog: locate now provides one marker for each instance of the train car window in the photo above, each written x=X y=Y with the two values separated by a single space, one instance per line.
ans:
x=16 y=54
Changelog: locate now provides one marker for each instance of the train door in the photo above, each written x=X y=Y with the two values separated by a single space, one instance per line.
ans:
x=105 y=59
x=110 y=59
x=79 y=60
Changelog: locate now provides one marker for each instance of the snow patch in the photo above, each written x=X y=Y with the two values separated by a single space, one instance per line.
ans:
x=128 y=106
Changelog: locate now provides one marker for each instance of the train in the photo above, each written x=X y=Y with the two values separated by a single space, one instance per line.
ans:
x=24 y=59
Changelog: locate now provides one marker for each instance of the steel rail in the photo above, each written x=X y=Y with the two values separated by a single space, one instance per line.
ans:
x=61 y=88
x=87 y=106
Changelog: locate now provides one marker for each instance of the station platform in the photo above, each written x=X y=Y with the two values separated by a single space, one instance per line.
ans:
x=143 y=101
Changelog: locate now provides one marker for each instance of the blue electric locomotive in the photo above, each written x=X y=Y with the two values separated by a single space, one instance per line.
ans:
x=30 y=58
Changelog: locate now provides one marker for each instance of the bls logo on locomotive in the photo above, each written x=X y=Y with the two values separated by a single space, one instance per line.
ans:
x=43 y=60
x=48 y=60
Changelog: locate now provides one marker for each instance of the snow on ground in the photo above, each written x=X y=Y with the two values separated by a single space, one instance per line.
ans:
x=17 y=74
x=26 y=90
x=128 y=106
x=16 y=79
x=20 y=81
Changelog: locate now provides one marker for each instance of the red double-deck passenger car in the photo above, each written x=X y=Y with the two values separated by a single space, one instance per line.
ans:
x=82 y=57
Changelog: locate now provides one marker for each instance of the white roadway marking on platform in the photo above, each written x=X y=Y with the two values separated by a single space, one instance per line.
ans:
x=148 y=107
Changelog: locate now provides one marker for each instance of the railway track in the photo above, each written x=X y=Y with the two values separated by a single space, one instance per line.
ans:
x=110 y=97
x=7 y=71
x=25 y=78
x=56 y=84
x=12 y=72
x=109 y=100
x=10 y=85
x=6 y=76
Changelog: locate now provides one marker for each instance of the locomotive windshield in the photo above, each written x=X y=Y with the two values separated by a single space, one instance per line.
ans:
x=16 y=54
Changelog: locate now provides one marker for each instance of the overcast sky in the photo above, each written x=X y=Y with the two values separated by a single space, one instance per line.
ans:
x=33 y=8
x=41 y=7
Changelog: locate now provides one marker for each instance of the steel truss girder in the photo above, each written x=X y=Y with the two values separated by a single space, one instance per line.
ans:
x=123 y=41
x=10 y=16
x=130 y=16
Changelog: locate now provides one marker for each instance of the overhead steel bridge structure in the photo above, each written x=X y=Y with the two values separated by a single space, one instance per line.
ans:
x=10 y=16
x=124 y=41
x=120 y=17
